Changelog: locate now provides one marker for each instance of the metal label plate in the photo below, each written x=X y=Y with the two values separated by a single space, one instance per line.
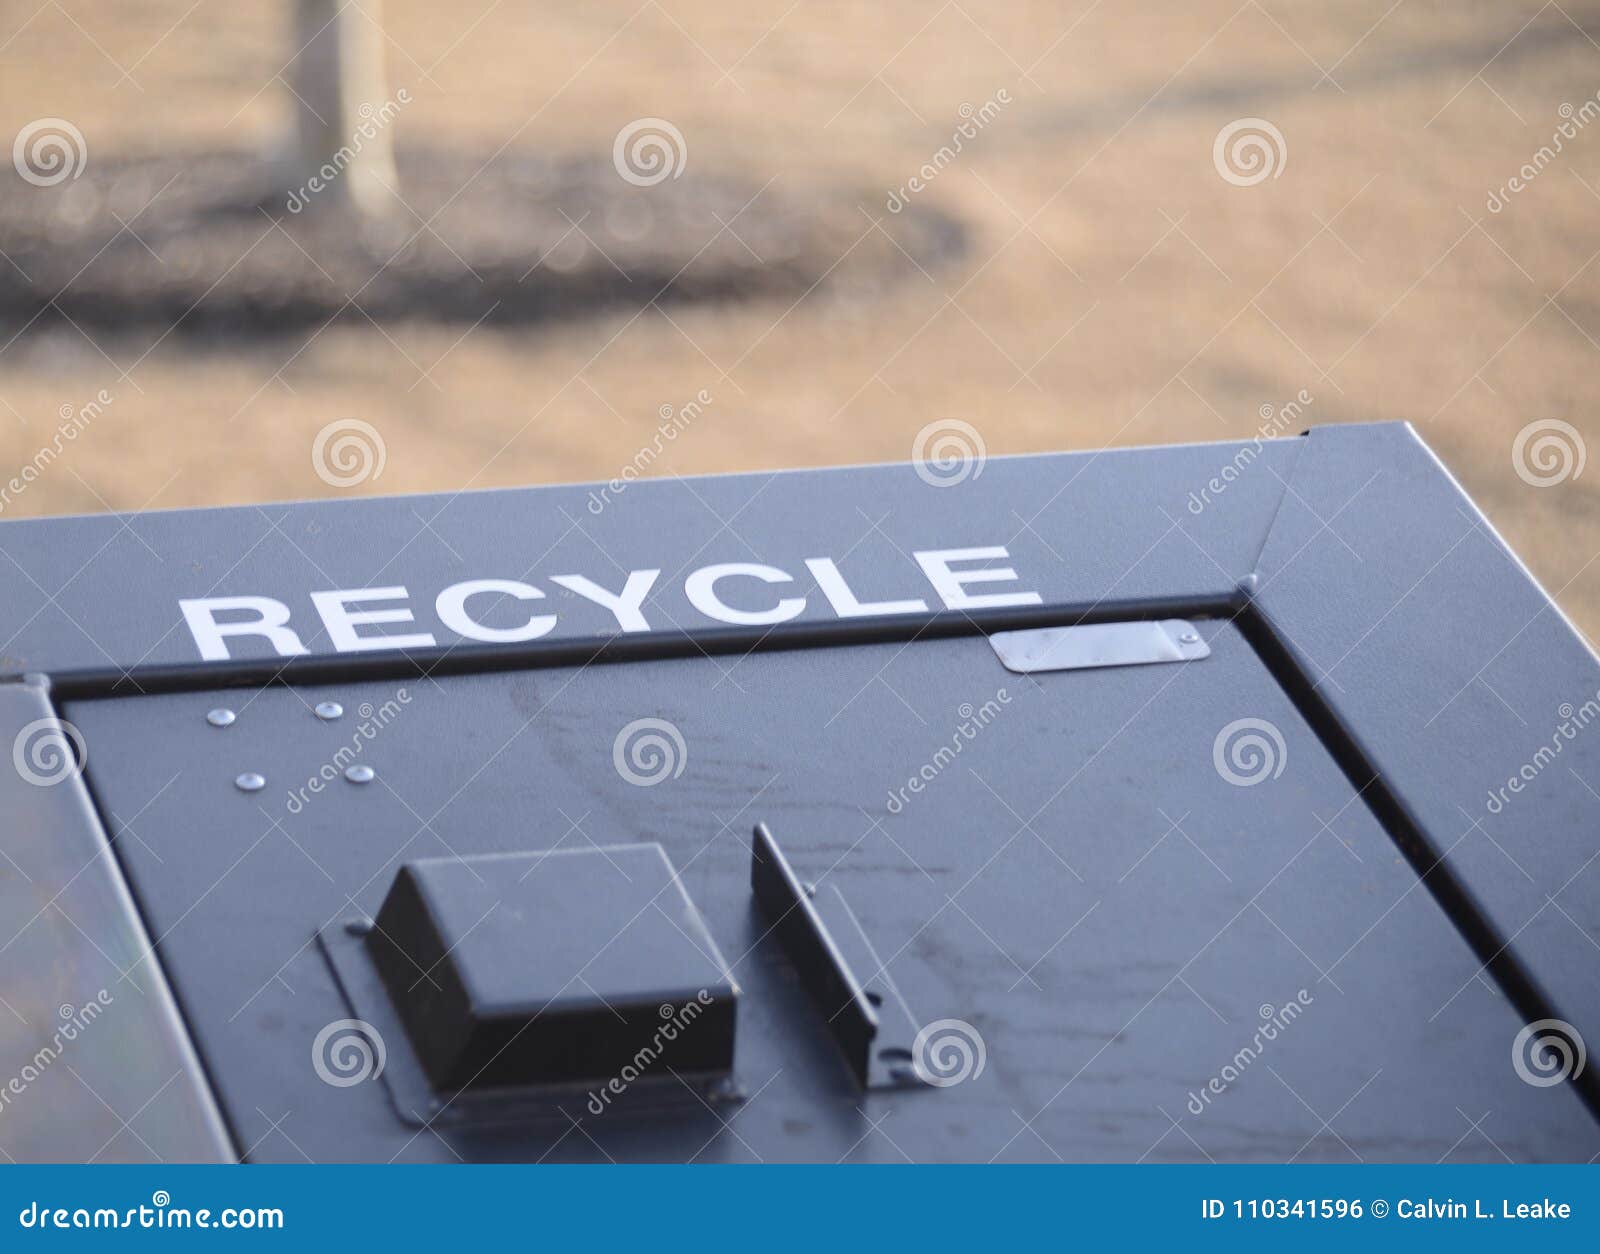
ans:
x=1099 y=644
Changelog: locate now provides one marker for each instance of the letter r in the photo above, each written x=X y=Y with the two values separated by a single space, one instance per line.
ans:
x=271 y=621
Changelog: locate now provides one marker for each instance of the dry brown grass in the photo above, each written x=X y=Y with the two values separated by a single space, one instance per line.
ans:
x=1117 y=290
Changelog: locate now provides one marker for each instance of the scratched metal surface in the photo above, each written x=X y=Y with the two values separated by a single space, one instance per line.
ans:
x=1080 y=884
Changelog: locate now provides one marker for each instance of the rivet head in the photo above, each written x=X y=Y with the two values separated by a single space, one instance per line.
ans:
x=250 y=781
x=358 y=927
x=1190 y=637
x=360 y=774
x=327 y=711
x=221 y=717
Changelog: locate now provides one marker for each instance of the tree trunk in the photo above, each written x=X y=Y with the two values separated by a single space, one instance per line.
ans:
x=339 y=92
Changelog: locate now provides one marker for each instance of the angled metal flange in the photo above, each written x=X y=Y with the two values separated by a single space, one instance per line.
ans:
x=826 y=944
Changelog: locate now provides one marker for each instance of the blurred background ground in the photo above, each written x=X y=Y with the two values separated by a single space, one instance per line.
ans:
x=1109 y=287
